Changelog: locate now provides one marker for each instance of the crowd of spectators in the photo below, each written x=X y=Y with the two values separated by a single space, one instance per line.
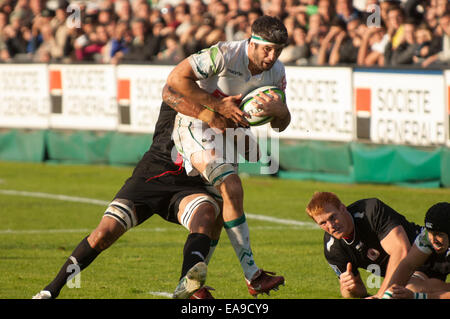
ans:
x=321 y=32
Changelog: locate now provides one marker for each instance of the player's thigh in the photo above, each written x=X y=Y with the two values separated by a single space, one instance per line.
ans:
x=198 y=213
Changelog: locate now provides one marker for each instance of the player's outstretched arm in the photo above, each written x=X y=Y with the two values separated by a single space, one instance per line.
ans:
x=396 y=244
x=407 y=266
x=400 y=292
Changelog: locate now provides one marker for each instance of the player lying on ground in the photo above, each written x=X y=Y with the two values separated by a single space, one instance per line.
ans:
x=431 y=248
x=366 y=234
x=217 y=78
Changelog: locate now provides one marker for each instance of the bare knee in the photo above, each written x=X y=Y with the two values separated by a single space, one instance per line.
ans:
x=231 y=188
x=203 y=220
x=105 y=235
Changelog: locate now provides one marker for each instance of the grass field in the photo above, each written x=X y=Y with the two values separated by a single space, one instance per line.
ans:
x=37 y=234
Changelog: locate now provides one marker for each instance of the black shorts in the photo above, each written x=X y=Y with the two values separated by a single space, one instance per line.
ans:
x=160 y=195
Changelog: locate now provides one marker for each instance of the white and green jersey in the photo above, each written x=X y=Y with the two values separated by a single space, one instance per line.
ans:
x=437 y=265
x=222 y=70
x=423 y=243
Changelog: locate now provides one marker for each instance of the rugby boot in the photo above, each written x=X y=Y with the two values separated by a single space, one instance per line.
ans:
x=263 y=282
x=193 y=281
x=203 y=293
x=43 y=294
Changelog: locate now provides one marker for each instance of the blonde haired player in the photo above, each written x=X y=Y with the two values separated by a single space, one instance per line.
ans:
x=365 y=233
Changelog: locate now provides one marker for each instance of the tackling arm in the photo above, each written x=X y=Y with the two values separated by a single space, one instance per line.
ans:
x=180 y=104
x=396 y=244
x=407 y=266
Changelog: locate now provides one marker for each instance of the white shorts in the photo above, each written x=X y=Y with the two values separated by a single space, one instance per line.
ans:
x=191 y=135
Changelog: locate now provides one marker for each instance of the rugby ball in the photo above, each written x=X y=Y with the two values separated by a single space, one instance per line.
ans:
x=250 y=105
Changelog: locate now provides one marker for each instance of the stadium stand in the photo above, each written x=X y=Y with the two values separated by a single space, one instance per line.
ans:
x=322 y=32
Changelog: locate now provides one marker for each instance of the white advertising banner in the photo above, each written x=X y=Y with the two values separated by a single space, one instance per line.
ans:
x=320 y=102
x=87 y=97
x=24 y=96
x=447 y=104
x=404 y=106
x=140 y=96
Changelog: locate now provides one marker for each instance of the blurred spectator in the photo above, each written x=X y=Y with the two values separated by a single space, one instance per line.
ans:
x=297 y=52
x=346 y=47
x=371 y=50
x=173 y=52
x=13 y=35
x=237 y=28
x=48 y=49
x=442 y=6
x=6 y=6
x=404 y=52
x=443 y=56
x=254 y=14
x=415 y=9
x=245 y=6
x=23 y=8
x=105 y=16
x=144 y=46
x=181 y=12
x=346 y=11
x=423 y=50
x=196 y=11
x=122 y=9
x=317 y=31
x=337 y=29
x=168 y=15
x=95 y=51
x=119 y=42
x=395 y=27
x=326 y=10
x=277 y=9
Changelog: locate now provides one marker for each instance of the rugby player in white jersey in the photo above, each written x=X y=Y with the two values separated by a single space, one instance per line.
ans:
x=217 y=78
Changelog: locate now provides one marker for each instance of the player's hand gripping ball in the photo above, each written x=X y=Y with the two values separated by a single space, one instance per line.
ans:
x=250 y=105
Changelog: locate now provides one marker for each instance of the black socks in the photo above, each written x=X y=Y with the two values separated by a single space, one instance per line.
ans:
x=82 y=256
x=195 y=250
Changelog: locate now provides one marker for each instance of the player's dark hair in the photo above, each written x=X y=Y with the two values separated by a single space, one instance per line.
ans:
x=270 y=29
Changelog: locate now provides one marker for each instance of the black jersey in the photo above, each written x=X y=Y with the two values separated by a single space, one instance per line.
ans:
x=373 y=220
x=159 y=180
x=161 y=158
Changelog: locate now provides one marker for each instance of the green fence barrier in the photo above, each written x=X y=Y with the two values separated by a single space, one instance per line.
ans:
x=128 y=149
x=79 y=147
x=445 y=167
x=27 y=146
x=315 y=156
x=316 y=160
x=395 y=164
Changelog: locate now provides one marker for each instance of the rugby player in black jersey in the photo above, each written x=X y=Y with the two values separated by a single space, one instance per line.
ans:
x=158 y=185
x=431 y=248
x=366 y=233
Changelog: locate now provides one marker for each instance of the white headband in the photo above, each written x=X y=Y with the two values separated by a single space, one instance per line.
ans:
x=259 y=39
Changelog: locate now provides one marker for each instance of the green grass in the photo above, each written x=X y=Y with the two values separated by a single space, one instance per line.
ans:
x=148 y=258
